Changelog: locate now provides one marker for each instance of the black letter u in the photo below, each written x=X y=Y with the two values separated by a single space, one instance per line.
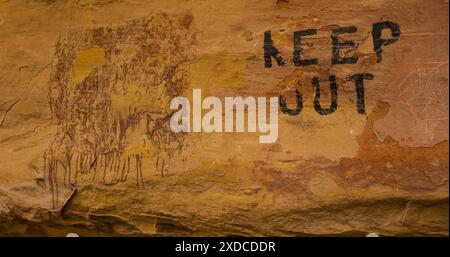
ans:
x=333 y=89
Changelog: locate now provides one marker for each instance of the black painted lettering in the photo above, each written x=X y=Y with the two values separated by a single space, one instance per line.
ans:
x=298 y=109
x=333 y=89
x=379 y=42
x=298 y=47
x=337 y=45
x=359 y=87
x=271 y=51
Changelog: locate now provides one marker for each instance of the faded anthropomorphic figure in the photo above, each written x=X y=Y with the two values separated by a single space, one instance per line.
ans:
x=109 y=95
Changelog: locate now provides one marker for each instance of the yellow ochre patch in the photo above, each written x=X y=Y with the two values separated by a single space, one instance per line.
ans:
x=86 y=61
x=218 y=71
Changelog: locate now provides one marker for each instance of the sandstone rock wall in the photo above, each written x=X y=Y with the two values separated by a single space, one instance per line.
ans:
x=86 y=147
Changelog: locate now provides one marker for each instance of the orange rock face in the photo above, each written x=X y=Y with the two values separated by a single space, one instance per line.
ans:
x=86 y=144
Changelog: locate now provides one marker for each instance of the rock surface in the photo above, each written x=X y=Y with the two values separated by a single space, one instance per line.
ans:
x=85 y=143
